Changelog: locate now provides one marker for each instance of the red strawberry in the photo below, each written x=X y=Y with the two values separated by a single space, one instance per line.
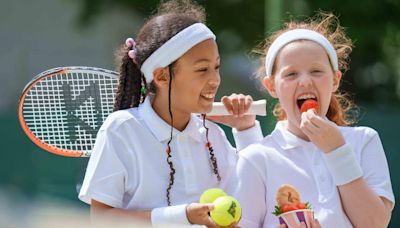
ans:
x=301 y=206
x=288 y=207
x=309 y=104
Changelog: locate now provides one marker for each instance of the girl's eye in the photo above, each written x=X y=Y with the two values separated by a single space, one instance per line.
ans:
x=217 y=67
x=315 y=71
x=202 y=70
x=291 y=74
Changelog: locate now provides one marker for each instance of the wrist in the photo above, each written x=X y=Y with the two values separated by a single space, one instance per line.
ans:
x=343 y=165
x=244 y=127
x=169 y=215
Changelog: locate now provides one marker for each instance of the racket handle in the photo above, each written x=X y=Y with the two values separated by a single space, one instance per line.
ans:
x=257 y=108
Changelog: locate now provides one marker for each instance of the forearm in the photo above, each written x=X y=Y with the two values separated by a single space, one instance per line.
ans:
x=363 y=206
x=100 y=213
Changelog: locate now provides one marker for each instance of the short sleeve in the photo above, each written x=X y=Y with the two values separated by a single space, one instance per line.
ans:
x=105 y=173
x=247 y=186
x=375 y=166
x=248 y=136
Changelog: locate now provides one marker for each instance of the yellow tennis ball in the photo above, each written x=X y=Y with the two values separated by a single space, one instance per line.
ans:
x=211 y=194
x=226 y=211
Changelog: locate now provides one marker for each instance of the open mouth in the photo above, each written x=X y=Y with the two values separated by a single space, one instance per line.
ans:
x=208 y=96
x=301 y=99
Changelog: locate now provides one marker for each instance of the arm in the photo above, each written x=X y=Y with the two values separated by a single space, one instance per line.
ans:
x=363 y=206
x=100 y=213
x=358 y=190
x=369 y=197
x=195 y=213
x=246 y=130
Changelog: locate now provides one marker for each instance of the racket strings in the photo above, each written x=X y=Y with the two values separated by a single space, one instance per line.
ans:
x=66 y=111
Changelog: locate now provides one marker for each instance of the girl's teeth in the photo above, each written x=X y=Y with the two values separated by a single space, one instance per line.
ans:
x=306 y=96
x=209 y=96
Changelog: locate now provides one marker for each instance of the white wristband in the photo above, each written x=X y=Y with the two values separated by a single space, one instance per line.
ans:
x=342 y=165
x=167 y=216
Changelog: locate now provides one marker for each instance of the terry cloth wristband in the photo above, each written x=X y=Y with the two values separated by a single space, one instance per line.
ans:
x=342 y=165
x=167 y=216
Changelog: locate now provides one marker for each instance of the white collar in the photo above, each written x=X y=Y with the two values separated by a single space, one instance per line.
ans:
x=286 y=139
x=162 y=130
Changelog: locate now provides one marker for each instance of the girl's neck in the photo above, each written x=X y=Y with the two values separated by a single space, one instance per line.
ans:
x=160 y=106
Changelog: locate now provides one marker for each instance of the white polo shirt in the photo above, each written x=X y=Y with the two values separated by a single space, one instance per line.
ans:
x=283 y=158
x=128 y=167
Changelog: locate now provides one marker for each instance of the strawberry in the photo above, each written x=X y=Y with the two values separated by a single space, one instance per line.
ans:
x=288 y=207
x=309 y=104
x=301 y=206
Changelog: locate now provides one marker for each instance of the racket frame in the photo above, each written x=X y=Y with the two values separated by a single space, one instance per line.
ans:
x=42 y=76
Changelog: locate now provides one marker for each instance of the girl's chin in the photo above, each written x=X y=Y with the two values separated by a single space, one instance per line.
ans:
x=206 y=110
x=206 y=105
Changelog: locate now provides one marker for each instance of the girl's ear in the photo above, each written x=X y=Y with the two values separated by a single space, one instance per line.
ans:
x=161 y=77
x=337 y=76
x=269 y=85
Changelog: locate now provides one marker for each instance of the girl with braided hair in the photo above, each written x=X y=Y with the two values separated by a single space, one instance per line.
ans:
x=153 y=157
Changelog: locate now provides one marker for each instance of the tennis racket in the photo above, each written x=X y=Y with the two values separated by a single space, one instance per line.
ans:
x=62 y=109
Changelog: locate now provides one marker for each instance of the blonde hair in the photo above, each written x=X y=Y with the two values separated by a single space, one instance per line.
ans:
x=341 y=110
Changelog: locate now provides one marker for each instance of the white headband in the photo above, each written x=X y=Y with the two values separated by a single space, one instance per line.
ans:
x=175 y=48
x=299 y=34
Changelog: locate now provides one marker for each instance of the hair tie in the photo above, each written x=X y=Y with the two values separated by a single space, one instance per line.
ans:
x=131 y=44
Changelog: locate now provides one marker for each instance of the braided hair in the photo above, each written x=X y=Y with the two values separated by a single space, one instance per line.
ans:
x=171 y=18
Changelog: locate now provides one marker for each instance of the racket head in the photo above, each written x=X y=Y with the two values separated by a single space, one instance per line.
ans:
x=61 y=109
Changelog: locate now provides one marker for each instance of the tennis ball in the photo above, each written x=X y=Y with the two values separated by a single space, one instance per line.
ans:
x=226 y=211
x=211 y=194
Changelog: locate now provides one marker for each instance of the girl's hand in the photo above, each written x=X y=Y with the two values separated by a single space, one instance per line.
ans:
x=322 y=132
x=197 y=213
x=237 y=105
x=315 y=224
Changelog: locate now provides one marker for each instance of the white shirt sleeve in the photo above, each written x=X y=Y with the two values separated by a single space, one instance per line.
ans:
x=248 y=136
x=105 y=174
x=248 y=188
x=375 y=166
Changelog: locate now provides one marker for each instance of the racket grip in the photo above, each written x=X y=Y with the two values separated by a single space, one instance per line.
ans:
x=257 y=108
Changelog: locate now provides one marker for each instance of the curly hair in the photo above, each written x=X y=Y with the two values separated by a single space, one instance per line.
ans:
x=341 y=110
x=170 y=18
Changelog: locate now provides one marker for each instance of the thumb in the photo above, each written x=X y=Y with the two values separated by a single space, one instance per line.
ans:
x=209 y=207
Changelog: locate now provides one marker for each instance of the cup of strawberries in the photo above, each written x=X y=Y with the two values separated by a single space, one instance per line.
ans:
x=290 y=210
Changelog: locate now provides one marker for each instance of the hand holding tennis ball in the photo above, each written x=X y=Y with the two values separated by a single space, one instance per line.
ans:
x=226 y=210
x=211 y=194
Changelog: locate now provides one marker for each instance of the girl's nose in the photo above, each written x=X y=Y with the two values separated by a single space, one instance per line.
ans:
x=305 y=80
x=215 y=79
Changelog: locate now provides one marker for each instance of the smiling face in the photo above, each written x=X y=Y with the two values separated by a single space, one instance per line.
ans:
x=302 y=71
x=196 y=79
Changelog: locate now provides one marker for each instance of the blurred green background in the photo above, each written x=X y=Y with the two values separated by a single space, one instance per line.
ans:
x=42 y=34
